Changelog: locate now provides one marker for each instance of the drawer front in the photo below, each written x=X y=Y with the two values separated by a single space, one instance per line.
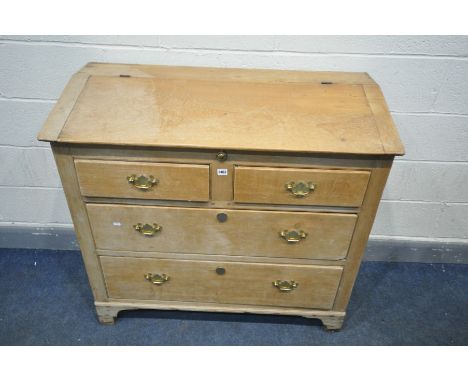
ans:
x=168 y=181
x=244 y=232
x=221 y=282
x=300 y=186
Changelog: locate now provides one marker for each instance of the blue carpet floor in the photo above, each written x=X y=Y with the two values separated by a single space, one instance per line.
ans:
x=45 y=300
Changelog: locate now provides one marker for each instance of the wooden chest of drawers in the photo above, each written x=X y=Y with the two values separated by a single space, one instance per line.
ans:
x=222 y=189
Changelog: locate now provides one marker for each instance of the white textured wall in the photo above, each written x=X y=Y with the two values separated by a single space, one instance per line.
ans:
x=425 y=81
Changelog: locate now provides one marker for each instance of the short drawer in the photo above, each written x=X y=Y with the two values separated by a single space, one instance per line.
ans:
x=302 y=286
x=268 y=185
x=221 y=232
x=141 y=180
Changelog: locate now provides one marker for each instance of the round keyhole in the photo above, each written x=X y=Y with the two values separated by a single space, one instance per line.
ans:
x=220 y=271
x=222 y=217
x=221 y=156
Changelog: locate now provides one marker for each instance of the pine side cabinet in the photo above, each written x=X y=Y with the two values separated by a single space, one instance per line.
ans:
x=222 y=190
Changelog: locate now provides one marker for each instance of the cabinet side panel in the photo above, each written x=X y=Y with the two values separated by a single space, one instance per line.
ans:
x=361 y=233
x=79 y=215
x=62 y=109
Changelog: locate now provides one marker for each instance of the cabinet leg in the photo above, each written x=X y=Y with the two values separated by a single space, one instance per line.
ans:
x=106 y=315
x=106 y=320
x=333 y=322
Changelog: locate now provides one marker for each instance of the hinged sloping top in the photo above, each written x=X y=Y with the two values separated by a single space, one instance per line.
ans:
x=137 y=105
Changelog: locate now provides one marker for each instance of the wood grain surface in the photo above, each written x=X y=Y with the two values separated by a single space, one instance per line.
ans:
x=240 y=284
x=331 y=187
x=175 y=181
x=245 y=232
x=176 y=109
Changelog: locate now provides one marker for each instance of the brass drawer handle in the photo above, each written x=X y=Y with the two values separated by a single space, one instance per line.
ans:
x=285 y=286
x=147 y=229
x=142 y=182
x=293 y=236
x=156 y=279
x=301 y=188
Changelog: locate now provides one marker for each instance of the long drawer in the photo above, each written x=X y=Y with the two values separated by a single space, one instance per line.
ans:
x=296 y=186
x=222 y=232
x=140 y=180
x=304 y=286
